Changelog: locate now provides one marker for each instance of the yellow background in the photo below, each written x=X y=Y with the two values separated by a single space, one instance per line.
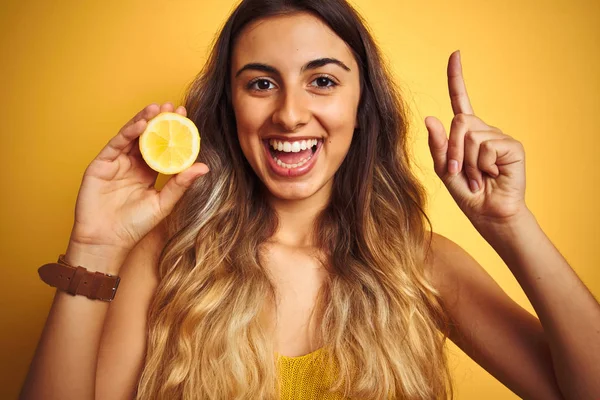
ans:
x=73 y=72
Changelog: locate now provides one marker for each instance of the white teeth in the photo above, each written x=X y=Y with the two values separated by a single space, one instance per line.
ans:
x=292 y=147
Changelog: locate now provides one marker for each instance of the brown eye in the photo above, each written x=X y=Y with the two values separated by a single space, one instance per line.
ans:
x=323 y=82
x=261 y=84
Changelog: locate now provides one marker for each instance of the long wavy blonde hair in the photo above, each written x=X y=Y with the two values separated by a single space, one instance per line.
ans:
x=378 y=313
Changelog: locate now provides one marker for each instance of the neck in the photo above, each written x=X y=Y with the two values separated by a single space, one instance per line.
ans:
x=297 y=218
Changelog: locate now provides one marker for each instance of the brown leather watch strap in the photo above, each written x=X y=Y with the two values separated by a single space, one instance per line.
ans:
x=78 y=280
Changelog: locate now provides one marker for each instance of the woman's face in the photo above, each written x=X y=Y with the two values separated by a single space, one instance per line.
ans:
x=295 y=92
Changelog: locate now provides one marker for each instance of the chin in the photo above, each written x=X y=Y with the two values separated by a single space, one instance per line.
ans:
x=292 y=191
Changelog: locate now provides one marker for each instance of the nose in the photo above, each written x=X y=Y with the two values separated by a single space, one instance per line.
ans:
x=292 y=112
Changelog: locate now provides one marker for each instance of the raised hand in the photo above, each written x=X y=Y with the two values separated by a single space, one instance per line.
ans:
x=117 y=203
x=483 y=168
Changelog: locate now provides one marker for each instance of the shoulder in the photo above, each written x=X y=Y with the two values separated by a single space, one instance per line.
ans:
x=441 y=250
x=141 y=264
x=139 y=272
x=155 y=240
x=442 y=257
x=456 y=274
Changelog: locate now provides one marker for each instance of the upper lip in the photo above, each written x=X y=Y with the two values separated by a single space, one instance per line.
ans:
x=291 y=138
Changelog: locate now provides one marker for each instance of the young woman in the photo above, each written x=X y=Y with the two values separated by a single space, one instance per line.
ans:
x=295 y=260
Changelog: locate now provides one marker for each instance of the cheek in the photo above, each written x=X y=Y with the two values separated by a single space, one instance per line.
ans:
x=244 y=118
x=339 y=120
x=249 y=118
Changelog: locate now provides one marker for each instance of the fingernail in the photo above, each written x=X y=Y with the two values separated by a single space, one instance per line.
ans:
x=474 y=185
x=453 y=166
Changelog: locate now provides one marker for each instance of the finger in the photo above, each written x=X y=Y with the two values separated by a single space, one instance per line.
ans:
x=461 y=124
x=123 y=141
x=181 y=110
x=177 y=185
x=438 y=144
x=146 y=113
x=135 y=149
x=129 y=132
x=473 y=169
x=500 y=152
x=167 y=107
x=456 y=86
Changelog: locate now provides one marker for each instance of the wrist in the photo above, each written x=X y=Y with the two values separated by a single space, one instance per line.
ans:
x=100 y=258
x=506 y=227
x=506 y=236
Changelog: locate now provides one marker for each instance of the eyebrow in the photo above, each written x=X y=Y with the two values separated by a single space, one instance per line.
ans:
x=314 y=64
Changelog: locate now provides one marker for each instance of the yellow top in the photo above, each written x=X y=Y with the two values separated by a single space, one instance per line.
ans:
x=306 y=377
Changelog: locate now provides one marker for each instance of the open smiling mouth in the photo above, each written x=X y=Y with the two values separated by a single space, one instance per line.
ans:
x=292 y=158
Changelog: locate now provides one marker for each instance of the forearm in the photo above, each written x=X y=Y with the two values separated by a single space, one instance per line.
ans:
x=64 y=364
x=567 y=310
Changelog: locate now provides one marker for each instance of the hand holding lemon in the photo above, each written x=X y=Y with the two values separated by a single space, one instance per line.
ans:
x=117 y=204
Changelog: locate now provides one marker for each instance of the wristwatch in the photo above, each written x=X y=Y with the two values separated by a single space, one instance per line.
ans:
x=79 y=281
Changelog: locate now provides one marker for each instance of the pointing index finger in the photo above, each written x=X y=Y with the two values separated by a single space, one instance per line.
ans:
x=456 y=86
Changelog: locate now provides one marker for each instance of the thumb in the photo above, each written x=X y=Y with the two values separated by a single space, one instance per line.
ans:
x=177 y=185
x=438 y=144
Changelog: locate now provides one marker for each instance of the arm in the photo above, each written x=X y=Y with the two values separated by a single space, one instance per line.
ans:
x=498 y=334
x=117 y=209
x=64 y=364
x=93 y=349
x=493 y=330
x=567 y=310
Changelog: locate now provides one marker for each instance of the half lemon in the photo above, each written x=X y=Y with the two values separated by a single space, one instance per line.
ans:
x=170 y=143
